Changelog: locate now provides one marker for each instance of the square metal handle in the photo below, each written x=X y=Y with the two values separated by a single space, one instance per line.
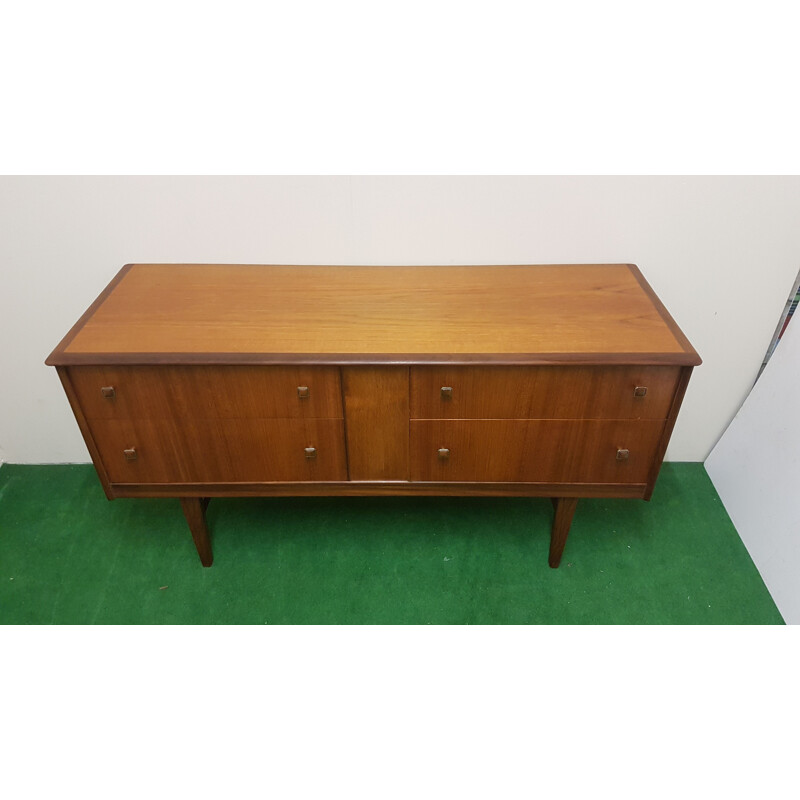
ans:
x=302 y=392
x=311 y=452
x=108 y=392
x=447 y=392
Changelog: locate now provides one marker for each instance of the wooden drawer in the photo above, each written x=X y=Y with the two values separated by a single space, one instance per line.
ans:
x=208 y=392
x=549 y=451
x=228 y=451
x=542 y=392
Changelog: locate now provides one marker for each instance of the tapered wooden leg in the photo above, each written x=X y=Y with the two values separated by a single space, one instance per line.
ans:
x=565 y=510
x=194 y=509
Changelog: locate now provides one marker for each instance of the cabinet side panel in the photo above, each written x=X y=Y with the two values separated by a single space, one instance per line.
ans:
x=376 y=414
x=680 y=391
x=66 y=382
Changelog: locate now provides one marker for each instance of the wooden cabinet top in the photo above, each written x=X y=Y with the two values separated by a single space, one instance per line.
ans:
x=212 y=313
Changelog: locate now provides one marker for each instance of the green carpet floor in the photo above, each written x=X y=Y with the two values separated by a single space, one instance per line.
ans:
x=67 y=555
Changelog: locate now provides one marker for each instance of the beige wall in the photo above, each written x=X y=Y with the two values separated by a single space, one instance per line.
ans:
x=721 y=252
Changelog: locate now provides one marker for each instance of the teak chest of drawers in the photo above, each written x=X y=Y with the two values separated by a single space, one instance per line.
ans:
x=200 y=381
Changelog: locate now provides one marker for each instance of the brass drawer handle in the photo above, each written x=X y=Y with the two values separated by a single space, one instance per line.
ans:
x=311 y=452
x=444 y=453
x=622 y=455
x=130 y=454
x=447 y=392
x=640 y=391
x=302 y=392
x=108 y=392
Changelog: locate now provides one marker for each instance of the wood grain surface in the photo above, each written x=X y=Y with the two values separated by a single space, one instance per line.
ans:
x=197 y=451
x=534 y=450
x=542 y=392
x=672 y=417
x=564 y=512
x=376 y=406
x=194 y=509
x=379 y=489
x=218 y=392
x=166 y=311
x=83 y=424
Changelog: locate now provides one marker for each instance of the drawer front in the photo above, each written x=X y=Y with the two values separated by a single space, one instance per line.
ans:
x=227 y=451
x=580 y=451
x=542 y=392
x=212 y=392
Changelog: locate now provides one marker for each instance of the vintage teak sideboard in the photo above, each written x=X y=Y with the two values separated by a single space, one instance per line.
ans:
x=197 y=381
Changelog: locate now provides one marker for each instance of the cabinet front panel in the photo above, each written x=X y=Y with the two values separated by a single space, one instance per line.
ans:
x=189 y=451
x=376 y=403
x=208 y=392
x=561 y=392
x=588 y=451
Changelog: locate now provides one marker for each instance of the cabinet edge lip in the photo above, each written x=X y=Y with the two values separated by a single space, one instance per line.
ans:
x=59 y=358
x=668 y=319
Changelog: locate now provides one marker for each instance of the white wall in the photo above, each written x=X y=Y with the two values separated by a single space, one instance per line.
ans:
x=721 y=252
x=755 y=468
